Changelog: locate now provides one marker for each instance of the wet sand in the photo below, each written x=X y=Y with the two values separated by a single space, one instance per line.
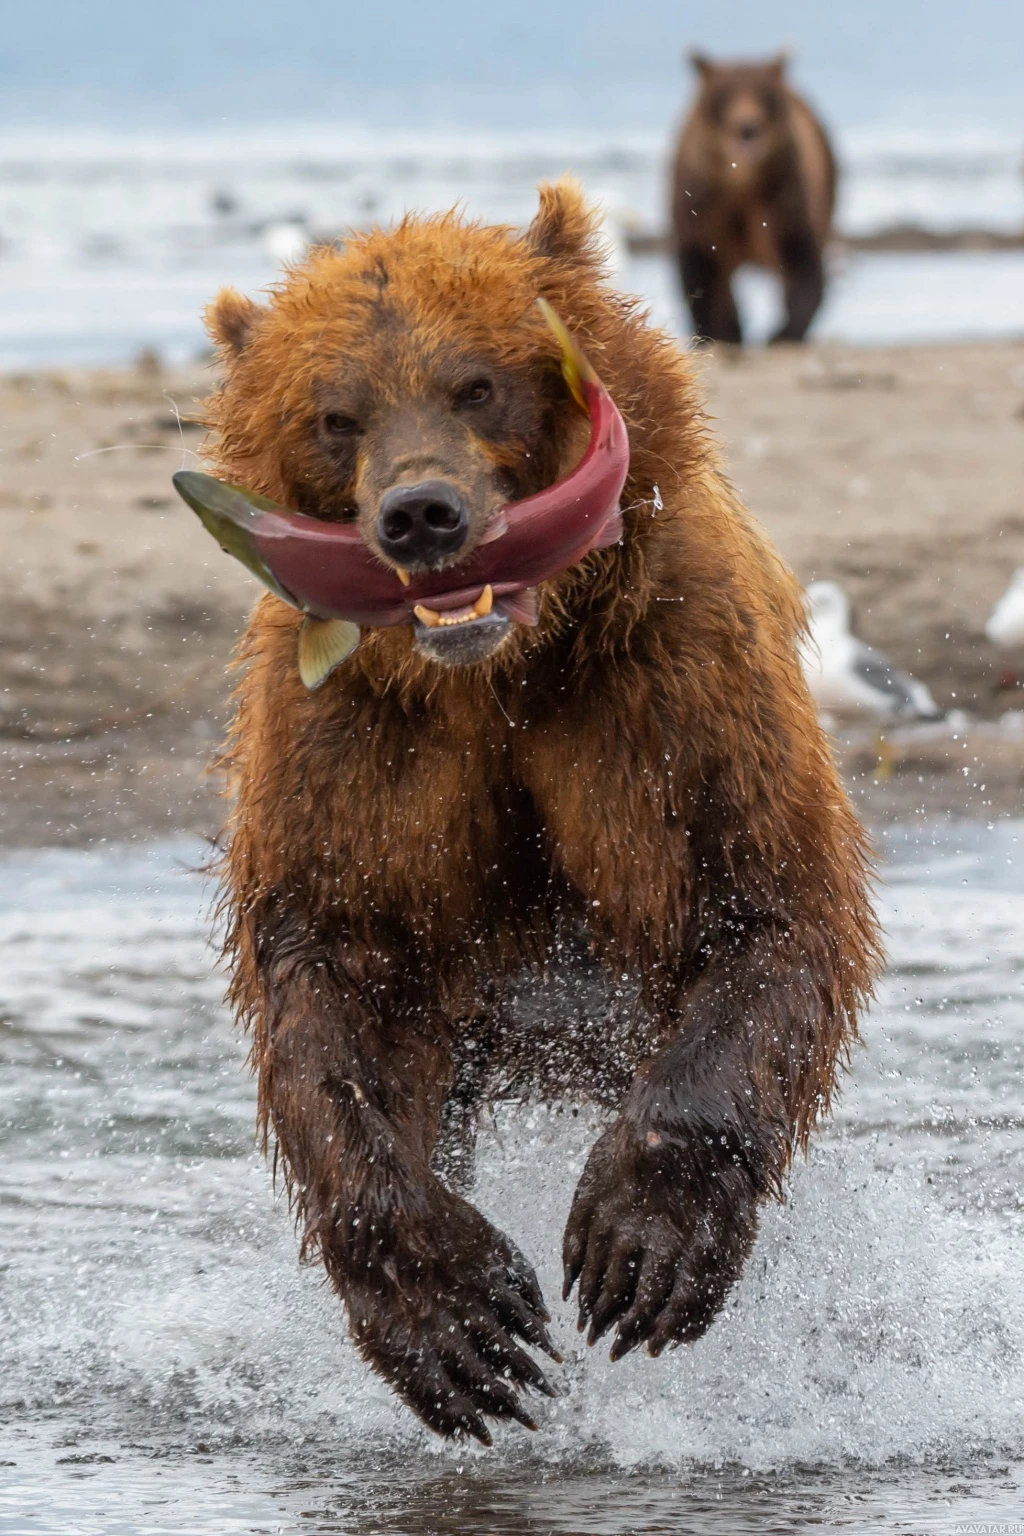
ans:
x=898 y=472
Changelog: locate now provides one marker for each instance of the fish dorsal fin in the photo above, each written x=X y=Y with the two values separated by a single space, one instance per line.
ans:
x=323 y=645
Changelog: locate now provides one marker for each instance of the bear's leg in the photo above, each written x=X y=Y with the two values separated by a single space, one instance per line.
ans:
x=455 y=1151
x=803 y=280
x=665 y=1214
x=708 y=292
x=736 y=890
x=454 y=1157
x=352 y=1079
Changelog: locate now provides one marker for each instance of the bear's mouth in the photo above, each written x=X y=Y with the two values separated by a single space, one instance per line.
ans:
x=457 y=632
x=461 y=636
x=329 y=572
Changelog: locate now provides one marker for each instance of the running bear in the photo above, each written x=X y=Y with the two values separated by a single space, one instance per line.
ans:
x=632 y=773
x=754 y=180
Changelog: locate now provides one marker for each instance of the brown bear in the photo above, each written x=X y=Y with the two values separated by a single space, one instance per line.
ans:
x=639 y=777
x=753 y=180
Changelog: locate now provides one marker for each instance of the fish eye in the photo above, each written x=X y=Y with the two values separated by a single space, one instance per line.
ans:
x=475 y=392
x=338 y=425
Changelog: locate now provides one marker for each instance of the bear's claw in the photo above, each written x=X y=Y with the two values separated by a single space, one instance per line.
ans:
x=449 y=1334
x=655 y=1251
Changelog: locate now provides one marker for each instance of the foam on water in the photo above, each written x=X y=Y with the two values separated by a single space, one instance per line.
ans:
x=150 y=1290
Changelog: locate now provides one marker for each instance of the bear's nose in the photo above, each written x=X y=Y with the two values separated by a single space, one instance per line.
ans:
x=749 y=130
x=422 y=524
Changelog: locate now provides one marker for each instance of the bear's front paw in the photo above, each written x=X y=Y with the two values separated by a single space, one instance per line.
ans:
x=659 y=1230
x=444 y=1331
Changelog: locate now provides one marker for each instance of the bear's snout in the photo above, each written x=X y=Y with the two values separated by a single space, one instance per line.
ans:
x=424 y=524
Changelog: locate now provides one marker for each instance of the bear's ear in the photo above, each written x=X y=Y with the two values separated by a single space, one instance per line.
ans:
x=232 y=321
x=563 y=226
x=779 y=62
x=700 y=61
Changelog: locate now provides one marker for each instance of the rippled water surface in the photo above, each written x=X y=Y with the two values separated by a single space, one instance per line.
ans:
x=165 y=1365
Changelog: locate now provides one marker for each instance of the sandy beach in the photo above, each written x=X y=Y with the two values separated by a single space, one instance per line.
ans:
x=896 y=471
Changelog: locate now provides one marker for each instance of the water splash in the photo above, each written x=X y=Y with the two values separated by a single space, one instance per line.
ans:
x=150 y=1295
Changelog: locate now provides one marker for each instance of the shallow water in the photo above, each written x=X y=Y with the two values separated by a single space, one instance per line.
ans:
x=111 y=241
x=165 y=1366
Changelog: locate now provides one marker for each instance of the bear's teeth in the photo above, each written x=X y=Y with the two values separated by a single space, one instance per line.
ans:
x=402 y=574
x=431 y=618
x=480 y=609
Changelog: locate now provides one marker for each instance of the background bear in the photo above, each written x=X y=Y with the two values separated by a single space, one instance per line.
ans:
x=642 y=774
x=753 y=181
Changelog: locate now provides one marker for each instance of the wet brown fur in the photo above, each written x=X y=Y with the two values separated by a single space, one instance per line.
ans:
x=644 y=775
x=767 y=201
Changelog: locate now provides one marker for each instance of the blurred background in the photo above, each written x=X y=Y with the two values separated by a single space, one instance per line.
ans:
x=148 y=154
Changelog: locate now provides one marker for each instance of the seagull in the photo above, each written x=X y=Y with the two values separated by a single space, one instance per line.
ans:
x=1005 y=624
x=847 y=677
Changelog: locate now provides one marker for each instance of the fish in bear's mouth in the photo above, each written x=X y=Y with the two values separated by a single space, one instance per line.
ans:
x=331 y=575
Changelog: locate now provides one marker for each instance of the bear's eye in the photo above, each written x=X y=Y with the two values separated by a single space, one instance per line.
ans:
x=338 y=425
x=475 y=392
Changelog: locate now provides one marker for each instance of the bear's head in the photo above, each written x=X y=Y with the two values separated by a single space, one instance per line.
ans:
x=405 y=381
x=743 y=108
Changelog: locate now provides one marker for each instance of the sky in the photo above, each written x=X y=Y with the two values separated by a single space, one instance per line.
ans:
x=546 y=61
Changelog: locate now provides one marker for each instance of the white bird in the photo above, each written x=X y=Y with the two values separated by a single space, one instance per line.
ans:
x=847 y=677
x=1005 y=624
